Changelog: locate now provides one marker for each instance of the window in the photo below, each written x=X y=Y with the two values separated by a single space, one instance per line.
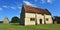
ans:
x=32 y=19
x=47 y=19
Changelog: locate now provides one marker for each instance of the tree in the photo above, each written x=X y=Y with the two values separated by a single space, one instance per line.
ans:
x=14 y=19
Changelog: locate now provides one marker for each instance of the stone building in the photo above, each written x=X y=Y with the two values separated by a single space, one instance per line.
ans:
x=6 y=20
x=56 y=20
x=33 y=16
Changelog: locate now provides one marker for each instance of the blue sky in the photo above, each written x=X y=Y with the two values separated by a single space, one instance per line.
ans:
x=11 y=8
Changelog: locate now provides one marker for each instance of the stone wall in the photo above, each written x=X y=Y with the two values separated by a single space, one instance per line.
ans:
x=38 y=17
x=5 y=21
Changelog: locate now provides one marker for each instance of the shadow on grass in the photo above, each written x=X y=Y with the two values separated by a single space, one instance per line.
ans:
x=16 y=24
x=43 y=29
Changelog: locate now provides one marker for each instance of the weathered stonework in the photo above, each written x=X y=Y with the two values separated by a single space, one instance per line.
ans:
x=40 y=16
x=5 y=21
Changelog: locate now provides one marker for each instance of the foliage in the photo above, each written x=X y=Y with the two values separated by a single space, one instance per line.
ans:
x=14 y=19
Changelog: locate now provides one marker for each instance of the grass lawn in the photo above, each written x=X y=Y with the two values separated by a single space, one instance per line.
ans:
x=30 y=27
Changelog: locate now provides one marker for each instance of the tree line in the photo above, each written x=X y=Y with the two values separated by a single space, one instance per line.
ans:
x=14 y=19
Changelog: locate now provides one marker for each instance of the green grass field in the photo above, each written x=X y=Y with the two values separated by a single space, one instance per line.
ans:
x=30 y=27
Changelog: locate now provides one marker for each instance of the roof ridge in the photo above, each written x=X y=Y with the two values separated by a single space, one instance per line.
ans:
x=36 y=10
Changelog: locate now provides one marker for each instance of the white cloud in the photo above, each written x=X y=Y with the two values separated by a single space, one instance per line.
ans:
x=28 y=3
x=46 y=1
x=5 y=6
x=49 y=1
x=42 y=1
x=19 y=7
x=35 y=0
x=13 y=8
x=1 y=9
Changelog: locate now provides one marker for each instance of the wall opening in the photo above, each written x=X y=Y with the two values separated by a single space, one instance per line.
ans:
x=40 y=21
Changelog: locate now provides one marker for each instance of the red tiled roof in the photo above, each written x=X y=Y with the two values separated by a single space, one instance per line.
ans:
x=31 y=9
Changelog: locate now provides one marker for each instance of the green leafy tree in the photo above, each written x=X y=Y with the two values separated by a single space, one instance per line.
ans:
x=14 y=19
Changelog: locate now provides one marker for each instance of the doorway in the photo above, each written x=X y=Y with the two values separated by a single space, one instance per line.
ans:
x=40 y=21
